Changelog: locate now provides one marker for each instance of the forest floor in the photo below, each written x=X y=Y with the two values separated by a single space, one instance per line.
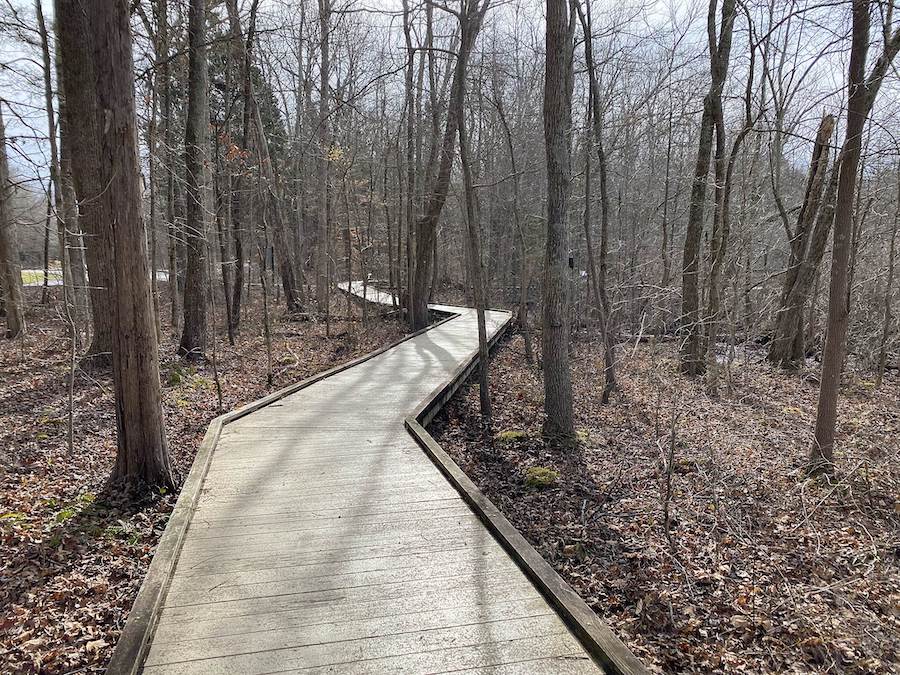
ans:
x=761 y=570
x=73 y=553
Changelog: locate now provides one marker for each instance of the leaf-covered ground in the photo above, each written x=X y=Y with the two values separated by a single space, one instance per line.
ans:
x=73 y=553
x=761 y=571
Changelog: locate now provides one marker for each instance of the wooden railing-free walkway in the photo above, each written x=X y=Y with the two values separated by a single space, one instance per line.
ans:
x=323 y=530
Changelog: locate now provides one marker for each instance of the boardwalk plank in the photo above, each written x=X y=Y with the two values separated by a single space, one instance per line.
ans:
x=468 y=597
x=297 y=631
x=258 y=657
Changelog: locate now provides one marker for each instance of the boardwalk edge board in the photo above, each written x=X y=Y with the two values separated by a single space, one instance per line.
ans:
x=597 y=637
x=134 y=641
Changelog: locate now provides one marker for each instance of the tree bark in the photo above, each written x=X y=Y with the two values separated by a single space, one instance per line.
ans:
x=10 y=272
x=142 y=451
x=322 y=278
x=822 y=453
x=787 y=349
x=597 y=271
x=83 y=126
x=559 y=421
x=693 y=360
x=470 y=18
x=522 y=313
x=888 y=291
x=473 y=240
x=196 y=158
x=722 y=218
x=55 y=177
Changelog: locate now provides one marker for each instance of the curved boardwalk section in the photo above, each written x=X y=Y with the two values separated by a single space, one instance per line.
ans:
x=325 y=540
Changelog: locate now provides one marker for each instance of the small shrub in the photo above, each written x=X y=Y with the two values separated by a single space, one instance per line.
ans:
x=540 y=477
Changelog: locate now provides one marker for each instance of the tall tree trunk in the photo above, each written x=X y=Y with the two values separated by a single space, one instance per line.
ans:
x=70 y=210
x=787 y=349
x=522 y=314
x=165 y=75
x=473 y=240
x=82 y=123
x=822 y=453
x=410 y=155
x=142 y=451
x=322 y=280
x=559 y=421
x=196 y=159
x=55 y=179
x=10 y=272
x=470 y=20
x=889 y=290
x=598 y=271
x=693 y=360
x=223 y=205
x=240 y=193
x=45 y=291
x=722 y=219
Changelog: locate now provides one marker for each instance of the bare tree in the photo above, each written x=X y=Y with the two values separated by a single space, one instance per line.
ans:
x=473 y=239
x=10 y=275
x=470 y=16
x=889 y=290
x=693 y=359
x=81 y=128
x=322 y=280
x=56 y=173
x=807 y=246
x=104 y=27
x=196 y=152
x=597 y=268
x=559 y=422
x=863 y=91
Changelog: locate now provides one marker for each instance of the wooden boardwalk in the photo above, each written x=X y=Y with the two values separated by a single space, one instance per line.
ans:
x=325 y=540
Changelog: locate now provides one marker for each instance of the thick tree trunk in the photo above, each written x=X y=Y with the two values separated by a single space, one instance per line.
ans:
x=196 y=159
x=559 y=422
x=142 y=453
x=83 y=128
x=10 y=273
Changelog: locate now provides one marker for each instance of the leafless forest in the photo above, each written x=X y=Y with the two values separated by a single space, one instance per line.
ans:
x=691 y=207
